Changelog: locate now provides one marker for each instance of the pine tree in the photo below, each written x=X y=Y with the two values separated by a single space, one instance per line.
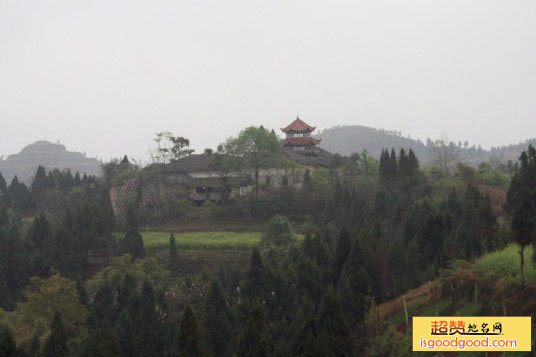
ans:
x=19 y=197
x=521 y=203
x=523 y=230
x=384 y=164
x=334 y=337
x=132 y=241
x=147 y=339
x=77 y=181
x=125 y=331
x=8 y=347
x=35 y=346
x=173 y=264
x=393 y=166
x=41 y=246
x=126 y=289
x=403 y=164
x=106 y=216
x=84 y=297
x=354 y=286
x=342 y=251
x=188 y=339
x=218 y=327
x=413 y=162
x=103 y=342
x=3 y=191
x=256 y=340
x=103 y=306
x=39 y=183
x=256 y=284
x=304 y=342
x=56 y=344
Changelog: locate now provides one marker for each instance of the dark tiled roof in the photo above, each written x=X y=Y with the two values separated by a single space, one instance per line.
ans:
x=315 y=157
x=195 y=162
x=298 y=125
x=218 y=181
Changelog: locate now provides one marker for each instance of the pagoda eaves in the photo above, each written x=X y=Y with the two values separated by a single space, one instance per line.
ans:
x=298 y=126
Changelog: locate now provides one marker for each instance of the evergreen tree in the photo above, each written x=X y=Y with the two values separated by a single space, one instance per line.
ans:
x=84 y=297
x=304 y=342
x=384 y=164
x=40 y=241
x=126 y=290
x=56 y=344
x=103 y=306
x=132 y=241
x=188 y=339
x=125 y=331
x=217 y=326
x=256 y=340
x=103 y=342
x=393 y=166
x=524 y=230
x=106 y=216
x=19 y=197
x=334 y=337
x=3 y=191
x=521 y=202
x=342 y=251
x=256 y=284
x=147 y=338
x=354 y=286
x=35 y=346
x=403 y=164
x=173 y=264
x=39 y=183
x=413 y=162
x=8 y=347
x=77 y=182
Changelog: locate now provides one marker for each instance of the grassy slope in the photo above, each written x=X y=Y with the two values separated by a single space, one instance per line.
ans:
x=497 y=276
x=506 y=263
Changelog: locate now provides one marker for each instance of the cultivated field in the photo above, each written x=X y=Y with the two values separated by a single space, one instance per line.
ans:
x=203 y=240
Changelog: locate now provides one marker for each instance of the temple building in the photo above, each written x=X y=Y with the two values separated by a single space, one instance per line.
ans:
x=299 y=135
x=198 y=178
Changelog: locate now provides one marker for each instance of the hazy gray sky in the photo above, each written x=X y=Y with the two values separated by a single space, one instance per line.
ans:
x=105 y=76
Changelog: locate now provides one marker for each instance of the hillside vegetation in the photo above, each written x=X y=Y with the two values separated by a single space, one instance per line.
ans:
x=350 y=139
x=488 y=287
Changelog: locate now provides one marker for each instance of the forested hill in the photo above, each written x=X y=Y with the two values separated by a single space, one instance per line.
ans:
x=346 y=140
x=49 y=155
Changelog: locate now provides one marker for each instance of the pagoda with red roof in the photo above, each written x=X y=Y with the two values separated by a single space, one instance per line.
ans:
x=299 y=135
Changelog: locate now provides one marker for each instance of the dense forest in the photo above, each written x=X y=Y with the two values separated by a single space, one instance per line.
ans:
x=77 y=279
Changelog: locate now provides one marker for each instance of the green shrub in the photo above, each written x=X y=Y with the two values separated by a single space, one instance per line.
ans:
x=278 y=232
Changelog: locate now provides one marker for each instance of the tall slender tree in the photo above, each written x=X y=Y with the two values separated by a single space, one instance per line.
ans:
x=217 y=325
x=132 y=242
x=188 y=339
x=56 y=344
x=173 y=263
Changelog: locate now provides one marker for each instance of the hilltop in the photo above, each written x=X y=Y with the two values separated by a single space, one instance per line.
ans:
x=346 y=140
x=49 y=155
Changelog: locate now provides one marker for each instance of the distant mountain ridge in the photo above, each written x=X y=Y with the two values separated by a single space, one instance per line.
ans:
x=49 y=155
x=346 y=140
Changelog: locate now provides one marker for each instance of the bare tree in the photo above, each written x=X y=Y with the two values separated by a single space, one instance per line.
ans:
x=169 y=149
x=445 y=153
